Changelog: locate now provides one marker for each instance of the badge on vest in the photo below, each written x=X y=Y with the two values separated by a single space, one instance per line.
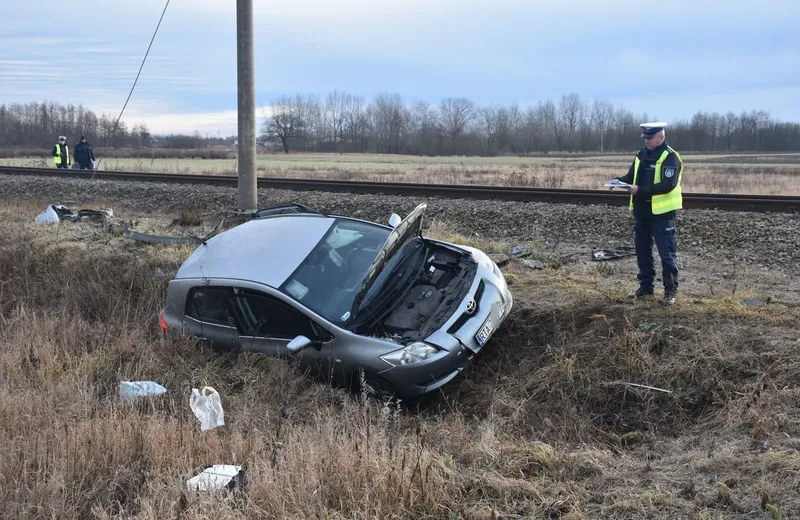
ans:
x=669 y=172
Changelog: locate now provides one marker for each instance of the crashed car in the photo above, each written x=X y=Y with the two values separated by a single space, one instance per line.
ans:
x=354 y=300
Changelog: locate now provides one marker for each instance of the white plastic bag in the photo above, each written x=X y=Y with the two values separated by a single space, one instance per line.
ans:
x=131 y=390
x=207 y=407
x=48 y=216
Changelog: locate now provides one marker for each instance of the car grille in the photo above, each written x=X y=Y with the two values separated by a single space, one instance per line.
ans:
x=465 y=317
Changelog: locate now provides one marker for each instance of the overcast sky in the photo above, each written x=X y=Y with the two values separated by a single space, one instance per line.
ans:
x=666 y=59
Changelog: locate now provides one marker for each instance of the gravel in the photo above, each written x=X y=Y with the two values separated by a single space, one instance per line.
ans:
x=767 y=239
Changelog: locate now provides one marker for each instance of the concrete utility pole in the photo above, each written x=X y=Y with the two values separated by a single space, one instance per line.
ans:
x=247 y=106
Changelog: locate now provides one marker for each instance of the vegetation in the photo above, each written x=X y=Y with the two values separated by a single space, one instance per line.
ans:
x=775 y=174
x=345 y=123
x=548 y=422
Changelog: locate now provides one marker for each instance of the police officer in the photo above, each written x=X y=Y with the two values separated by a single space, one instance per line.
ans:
x=655 y=176
x=61 y=153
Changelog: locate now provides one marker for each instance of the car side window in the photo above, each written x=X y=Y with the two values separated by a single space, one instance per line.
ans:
x=269 y=317
x=211 y=304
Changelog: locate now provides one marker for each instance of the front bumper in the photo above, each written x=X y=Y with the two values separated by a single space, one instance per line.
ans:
x=458 y=336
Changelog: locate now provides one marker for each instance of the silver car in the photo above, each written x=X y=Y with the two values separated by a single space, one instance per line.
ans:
x=353 y=300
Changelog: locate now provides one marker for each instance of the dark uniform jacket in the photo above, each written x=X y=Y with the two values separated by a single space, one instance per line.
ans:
x=83 y=153
x=642 y=202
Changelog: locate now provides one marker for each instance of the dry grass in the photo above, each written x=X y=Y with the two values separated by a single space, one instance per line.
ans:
x=755 y=174
x=543 y=425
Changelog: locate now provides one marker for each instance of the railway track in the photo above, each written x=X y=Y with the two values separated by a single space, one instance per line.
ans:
x=757 y=203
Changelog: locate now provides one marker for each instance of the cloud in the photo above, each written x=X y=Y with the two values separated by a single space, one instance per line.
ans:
x=492 y=51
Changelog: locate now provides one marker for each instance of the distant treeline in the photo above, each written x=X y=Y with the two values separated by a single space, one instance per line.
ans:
x=38 y=125
x=343 y=122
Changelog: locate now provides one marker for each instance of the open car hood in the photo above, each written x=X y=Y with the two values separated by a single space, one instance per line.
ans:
x=409 y=228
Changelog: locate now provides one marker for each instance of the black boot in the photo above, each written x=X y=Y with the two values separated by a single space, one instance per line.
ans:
x=641 y=292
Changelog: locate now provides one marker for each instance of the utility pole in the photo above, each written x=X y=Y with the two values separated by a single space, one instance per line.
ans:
x=247 y=106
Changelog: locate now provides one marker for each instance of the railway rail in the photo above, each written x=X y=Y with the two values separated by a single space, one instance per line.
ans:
x=756 y=203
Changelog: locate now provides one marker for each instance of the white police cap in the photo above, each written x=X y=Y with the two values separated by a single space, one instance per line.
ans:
x=649 y=129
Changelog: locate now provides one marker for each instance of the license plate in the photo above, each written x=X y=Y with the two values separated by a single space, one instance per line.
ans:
x=485 y=332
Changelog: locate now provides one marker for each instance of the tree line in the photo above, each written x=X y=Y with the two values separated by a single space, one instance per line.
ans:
x=38 y=125
x=342 y=122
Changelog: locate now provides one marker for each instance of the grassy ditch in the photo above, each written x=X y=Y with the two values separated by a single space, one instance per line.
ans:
x=547 y=423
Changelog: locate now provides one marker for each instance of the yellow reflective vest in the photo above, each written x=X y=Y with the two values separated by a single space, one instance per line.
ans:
x=58 y=157
x=664 y=202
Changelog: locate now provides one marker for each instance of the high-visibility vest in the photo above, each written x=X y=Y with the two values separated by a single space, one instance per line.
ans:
x=57 y=158
x=665 y=202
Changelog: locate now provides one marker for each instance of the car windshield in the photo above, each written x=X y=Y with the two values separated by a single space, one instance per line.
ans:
x=331 y=275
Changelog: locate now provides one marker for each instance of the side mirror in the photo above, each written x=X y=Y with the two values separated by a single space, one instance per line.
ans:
x=395 y=220
x=299 y=343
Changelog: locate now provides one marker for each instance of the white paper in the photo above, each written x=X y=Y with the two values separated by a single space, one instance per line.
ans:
x=616 y=183
x=215 y=477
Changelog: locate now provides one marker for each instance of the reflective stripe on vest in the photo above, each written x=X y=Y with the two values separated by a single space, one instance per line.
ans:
x=667 y=201
x=57 y=158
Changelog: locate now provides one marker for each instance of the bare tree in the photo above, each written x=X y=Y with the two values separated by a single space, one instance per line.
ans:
x=389 y=117
x=602 y=112
x=287 y=121
x=456 y=114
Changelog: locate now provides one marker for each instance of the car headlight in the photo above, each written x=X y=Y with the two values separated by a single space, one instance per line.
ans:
x=410 y=354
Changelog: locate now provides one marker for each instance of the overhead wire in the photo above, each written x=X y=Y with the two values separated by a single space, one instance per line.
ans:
x=136 y=80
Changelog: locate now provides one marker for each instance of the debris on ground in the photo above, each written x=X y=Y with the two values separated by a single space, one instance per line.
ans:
x=207 y=407
x=217 y=477
x=533 y=264
x=755 y=302
x=132 y=390
x=515 y=250
x=600 y=255
x=55 y=213
x=156 y=239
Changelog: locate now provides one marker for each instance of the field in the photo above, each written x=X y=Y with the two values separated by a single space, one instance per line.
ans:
x=769 y=174
x=547 y=423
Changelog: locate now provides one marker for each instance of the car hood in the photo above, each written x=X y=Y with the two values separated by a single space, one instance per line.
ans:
x=409 y=228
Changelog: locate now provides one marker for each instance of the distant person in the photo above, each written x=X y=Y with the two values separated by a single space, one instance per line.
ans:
x=84 y=154
x=61 y=153
x=655 y=176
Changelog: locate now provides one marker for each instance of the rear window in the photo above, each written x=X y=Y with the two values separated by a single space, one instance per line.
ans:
x=211 y=305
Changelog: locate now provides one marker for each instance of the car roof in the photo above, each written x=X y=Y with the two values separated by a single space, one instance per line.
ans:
x=265 y=251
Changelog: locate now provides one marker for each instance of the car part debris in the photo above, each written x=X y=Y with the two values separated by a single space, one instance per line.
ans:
x=533 y=264
x=613 y=254
x=756 y=302
x=217 y=477
x=132 y=390
x=55 y=213
x=156 y=239
x=207 y=407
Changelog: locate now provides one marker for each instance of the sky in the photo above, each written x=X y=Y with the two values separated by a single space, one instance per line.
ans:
x=666 y=59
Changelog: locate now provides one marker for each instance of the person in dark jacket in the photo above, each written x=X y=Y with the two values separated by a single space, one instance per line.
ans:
x=84 y=154
x=61 y=153
x=655 y=176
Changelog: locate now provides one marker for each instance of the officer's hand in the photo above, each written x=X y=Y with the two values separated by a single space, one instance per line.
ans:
x=633 y=190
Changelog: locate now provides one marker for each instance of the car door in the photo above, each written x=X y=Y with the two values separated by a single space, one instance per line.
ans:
x=269 y=324
x=210 y=317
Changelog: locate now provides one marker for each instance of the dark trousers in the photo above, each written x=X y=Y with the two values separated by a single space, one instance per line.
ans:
x=663 y=231
x=86 y=166
x=63 y=165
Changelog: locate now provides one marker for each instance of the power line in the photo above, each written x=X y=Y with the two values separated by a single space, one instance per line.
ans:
x=114 y=129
